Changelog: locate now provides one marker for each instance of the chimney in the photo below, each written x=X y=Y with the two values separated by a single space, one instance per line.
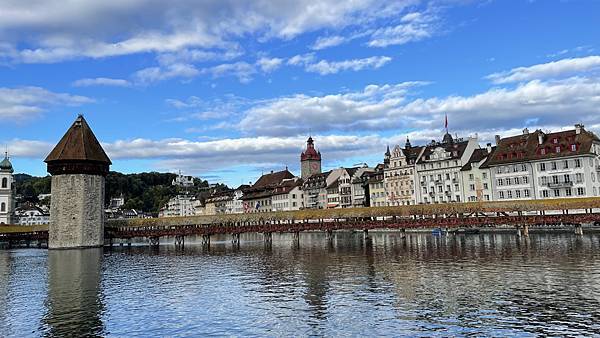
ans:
x=525 y=131
x=540 y=137
x=578 y=128
x=489 y=148
x=497 y=139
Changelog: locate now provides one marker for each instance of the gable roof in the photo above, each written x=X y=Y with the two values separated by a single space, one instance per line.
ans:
x=272 y=178
x=78 y=144
x=456 y=150
x=526 y=147
x=477 y=156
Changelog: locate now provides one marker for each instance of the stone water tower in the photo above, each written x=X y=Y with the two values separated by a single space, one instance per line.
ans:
x=78 y=166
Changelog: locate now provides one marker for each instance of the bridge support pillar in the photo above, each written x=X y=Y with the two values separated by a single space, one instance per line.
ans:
x=179 y=240
x=329 y=235
x=205 y=240
x=519 y=234
x=366 y=233
x=578 y=230
x=235 y=239
x=296 y=236
x=153 y=241
x=526 y=230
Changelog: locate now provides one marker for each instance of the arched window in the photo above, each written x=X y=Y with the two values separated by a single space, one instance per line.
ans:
x=4 y=182
x=3 y=207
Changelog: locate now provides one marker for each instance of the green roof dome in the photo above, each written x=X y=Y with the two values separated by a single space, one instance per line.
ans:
x=5 y=165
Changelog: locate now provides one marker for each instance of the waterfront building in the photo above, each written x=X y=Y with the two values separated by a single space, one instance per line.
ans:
x=315 y=191
x=116 y=202
x=333 y=194
x=220 y=203
x=438 y=169
x=310 y=160
x=477 y=180
x=543 y=165
x=376 y=189
x=288 y=195
x=237 y=202
x=360 y=188
x=29 y=214
x=180 y=205
x=345 y=186
x=7 y=191
x=258 y=198
x=399 y=174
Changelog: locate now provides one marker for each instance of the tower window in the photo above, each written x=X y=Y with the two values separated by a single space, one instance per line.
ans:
x=4 y=182
x=3 y=207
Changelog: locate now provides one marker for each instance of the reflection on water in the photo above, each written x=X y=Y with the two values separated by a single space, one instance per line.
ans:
x=74 y=302
x=492 y=284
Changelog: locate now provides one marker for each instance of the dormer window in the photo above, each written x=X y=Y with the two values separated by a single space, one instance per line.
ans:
x=557 y=149
x=555 y=141
x=543 y=151
x=573 y=147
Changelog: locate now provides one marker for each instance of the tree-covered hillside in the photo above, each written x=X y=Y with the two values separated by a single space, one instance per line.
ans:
x=143 y=191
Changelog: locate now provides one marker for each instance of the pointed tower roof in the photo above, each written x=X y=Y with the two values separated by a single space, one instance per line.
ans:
x=5 y=165
x=80 y=149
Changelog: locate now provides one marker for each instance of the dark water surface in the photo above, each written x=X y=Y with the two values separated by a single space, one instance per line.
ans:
x=492 y=285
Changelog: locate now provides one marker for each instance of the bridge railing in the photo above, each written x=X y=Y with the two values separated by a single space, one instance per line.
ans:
x=581 y=205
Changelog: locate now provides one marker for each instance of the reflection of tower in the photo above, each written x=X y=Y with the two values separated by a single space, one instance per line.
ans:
x=310 y=160
x=7 y=196
x=74 y=302
x=78 y=165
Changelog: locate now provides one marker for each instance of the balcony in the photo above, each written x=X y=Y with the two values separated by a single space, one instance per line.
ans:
x=553 y=185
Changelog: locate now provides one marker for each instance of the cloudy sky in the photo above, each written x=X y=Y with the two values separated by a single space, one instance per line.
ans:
x=226 y=89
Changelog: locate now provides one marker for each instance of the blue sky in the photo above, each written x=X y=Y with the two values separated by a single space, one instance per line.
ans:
x=225 y=90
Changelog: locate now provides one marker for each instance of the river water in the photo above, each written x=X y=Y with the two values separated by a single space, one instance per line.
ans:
x=423 y=285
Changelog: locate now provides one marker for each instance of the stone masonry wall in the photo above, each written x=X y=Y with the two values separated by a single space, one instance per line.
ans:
x=76 y=211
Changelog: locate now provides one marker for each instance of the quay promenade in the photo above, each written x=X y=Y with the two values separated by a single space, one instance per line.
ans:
x=521 y=215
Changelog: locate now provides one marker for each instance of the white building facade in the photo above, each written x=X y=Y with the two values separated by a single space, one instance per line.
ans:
x=7 y=191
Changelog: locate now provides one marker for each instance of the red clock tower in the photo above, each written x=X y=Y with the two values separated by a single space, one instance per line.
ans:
x=310 y=160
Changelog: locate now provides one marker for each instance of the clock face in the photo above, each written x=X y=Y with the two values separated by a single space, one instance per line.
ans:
x=314 y=166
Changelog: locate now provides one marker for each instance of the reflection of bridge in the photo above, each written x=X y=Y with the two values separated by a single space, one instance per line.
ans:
x=518 y=214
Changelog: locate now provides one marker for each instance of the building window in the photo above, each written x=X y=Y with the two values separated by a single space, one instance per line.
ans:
x=525 y=180
x=568 y=192
x=472 y=187
x=3 y=207
x=545 y=193
x=484 y=175
x=509 y=194
x=501 y=194
x=457 y=198
x=517 y=180
x=526 y=193
x=557 y=149
x=523 y=167
x=555 y=140
x=567 y=178
x=554 y=166
x=580 y=191
x=471 y=177
x=579 y=177
x=4 y=183
x=486 y=197
x=508 y=181
x=542 y=166
x=515 y=168
x=485 y=186
x=566 y=164
x=577 y=163
x=554 y=179
x=573 y=147
x=500 y=182
x=518 y=193
x=556 y=192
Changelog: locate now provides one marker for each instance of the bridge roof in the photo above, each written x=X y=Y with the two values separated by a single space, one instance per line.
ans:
x=78 y=144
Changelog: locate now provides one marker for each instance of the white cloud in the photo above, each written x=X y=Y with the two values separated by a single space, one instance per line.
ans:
x=55 y=31
x=242 y=70
x=325 y=67
x=390 y=107
x=328 y=41
x=155 y=74
x=547 y=70
x=413 y=27
x=268 y=65
x=101 y=81
x=27 y=102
